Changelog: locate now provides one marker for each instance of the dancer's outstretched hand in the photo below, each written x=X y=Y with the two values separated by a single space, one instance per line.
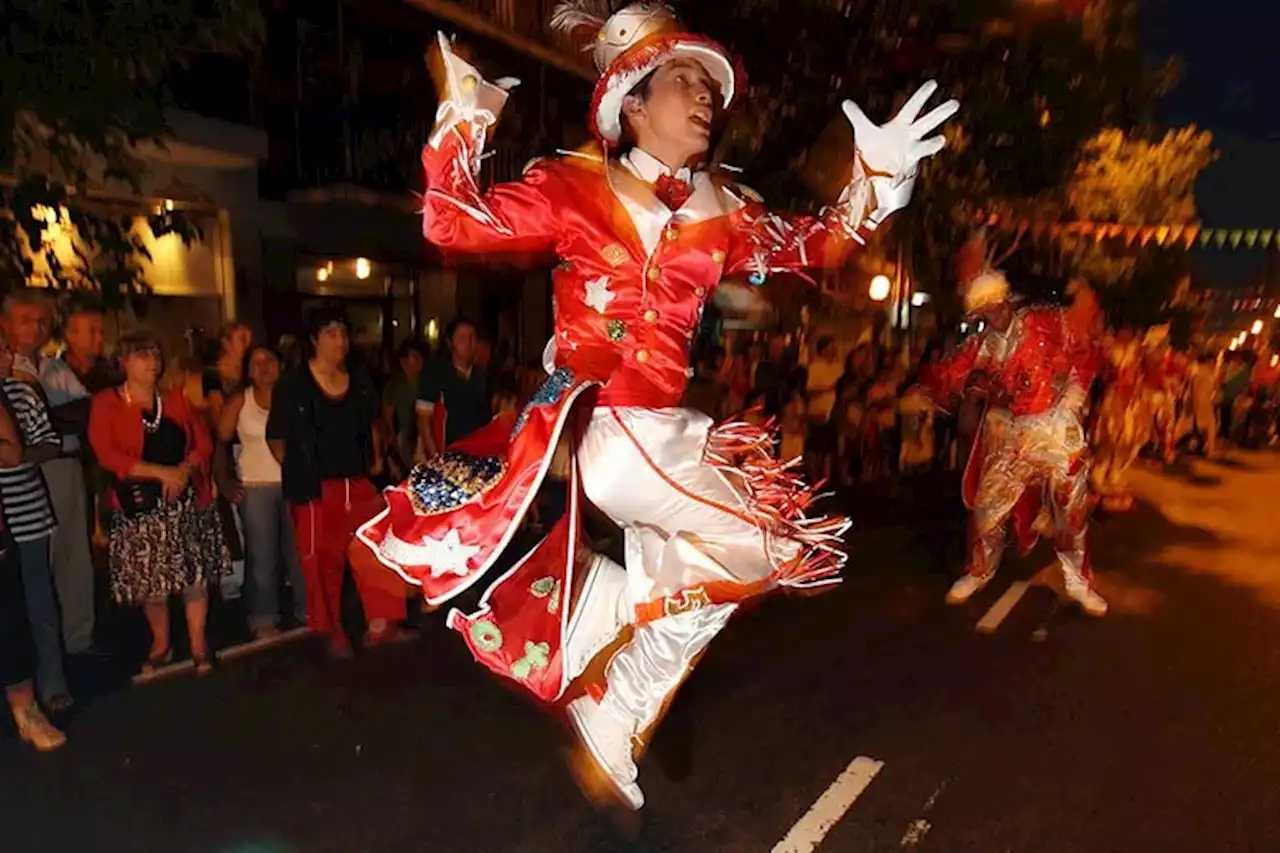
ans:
x=891 y=153
x=897 y=147
x=460 y=84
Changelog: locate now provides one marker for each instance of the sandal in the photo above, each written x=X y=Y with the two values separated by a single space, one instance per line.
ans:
x=154 y=662
x=60 y=704
x=34 y=728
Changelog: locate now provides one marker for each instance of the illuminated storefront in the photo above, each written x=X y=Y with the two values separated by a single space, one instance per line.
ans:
x=380 y=299
x=184 y=286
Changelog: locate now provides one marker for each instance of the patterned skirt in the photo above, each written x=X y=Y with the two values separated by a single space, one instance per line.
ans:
x=162 y=552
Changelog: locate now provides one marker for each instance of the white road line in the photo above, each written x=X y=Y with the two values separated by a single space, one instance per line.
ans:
x=824 y=814
x=919 y=828
x=916 y=831
x=1003 y=607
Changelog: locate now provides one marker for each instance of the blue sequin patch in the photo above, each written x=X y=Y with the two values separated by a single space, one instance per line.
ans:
x=549 y=394
x=451 y=480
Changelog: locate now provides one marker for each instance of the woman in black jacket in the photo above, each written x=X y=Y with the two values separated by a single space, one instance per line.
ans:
x=322 y=429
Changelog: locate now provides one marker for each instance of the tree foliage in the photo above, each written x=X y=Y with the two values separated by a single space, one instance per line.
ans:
x=1132 y=180
x=84 y=90
x=1036 y=82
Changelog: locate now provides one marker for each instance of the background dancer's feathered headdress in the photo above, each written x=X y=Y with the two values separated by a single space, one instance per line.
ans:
x=630 y=44
x=981 y=285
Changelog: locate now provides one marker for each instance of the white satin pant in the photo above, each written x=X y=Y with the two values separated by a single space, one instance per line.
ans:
x=643 y=468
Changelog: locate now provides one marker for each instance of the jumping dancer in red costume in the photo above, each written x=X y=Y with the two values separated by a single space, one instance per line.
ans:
x=710 y=517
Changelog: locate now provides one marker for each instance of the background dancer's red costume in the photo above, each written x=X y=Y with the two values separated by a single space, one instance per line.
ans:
x=1035 y=365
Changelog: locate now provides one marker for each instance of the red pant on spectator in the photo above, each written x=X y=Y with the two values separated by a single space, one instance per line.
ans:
x=323 y=530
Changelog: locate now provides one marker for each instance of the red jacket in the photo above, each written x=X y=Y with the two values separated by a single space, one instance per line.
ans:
x=115 y=433
x=634 y=276
x=1045 y=356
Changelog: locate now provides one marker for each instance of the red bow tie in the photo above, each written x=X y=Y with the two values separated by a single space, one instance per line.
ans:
x=672 y=192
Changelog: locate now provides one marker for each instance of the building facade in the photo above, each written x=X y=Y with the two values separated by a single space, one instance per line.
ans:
x=347 y=103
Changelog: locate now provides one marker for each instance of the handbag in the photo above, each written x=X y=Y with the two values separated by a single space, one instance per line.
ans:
x=137 y=497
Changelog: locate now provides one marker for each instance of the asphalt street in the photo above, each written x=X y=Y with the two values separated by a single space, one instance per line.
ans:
x=872 y=718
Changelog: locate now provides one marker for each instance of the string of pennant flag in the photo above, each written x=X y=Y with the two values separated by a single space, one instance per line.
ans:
x=1186 y=236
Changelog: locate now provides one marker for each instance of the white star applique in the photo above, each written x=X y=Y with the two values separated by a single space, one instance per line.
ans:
x=598 y=295
x=447 y=555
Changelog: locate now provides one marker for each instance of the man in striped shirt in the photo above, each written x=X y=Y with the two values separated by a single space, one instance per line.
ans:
x=28 y=324
x=29 y=516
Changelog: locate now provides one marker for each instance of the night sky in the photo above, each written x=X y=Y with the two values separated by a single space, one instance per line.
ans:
x=1231 y=80
x=1231 y=86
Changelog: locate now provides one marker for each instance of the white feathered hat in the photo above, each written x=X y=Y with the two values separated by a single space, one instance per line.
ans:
x=631 y=43
x=981 y=285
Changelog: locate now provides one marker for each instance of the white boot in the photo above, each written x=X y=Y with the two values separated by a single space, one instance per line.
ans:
x=1083 y=594
x=607 y=738
x=963 y=589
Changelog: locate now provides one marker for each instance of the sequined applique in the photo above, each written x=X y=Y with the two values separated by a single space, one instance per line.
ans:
x=614 y=255
x=548 y=588
x=616 y=330
x=451 y=480
x=548 y=394
x=536 y=657
x=486 y=636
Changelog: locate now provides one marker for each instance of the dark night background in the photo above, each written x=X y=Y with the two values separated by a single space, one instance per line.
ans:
x=1231 y=79
x=1231 y=86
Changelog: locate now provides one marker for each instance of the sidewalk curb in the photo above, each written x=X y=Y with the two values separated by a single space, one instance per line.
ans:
x=228 y=654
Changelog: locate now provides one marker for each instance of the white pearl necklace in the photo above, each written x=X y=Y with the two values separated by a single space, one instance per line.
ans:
x=153 y=424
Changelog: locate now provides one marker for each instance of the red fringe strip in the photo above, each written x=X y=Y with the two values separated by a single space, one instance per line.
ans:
x=778 y=498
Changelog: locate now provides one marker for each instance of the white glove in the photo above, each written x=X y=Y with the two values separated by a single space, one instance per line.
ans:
x=467 y=96
x=892 y=152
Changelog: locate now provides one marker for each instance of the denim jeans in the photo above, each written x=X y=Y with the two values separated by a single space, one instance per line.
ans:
x=42 y=613
x=233 y=582
x=17 y=656
x=269 y=547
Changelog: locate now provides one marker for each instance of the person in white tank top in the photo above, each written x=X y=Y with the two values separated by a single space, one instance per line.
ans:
x=254 y=462
x=255 y=489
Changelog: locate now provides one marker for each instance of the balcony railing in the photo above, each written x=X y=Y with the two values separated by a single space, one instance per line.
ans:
x=523 y=24
x=316 y=147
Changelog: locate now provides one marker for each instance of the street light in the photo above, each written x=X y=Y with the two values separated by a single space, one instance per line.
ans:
x=880 y=286
x=1257 y=327
x=362 y=268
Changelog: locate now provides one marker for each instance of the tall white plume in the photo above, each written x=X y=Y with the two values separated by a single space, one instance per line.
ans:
x=571 y=16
